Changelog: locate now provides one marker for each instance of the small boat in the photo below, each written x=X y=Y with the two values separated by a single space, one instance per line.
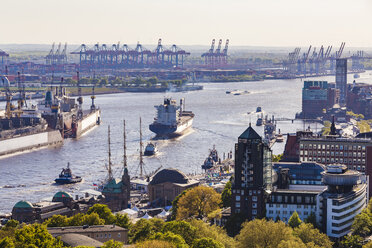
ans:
x=66 y=176
x=150 y=149
x=211 y=160
x=259 y=109
x=279 y=138
x=356 y=75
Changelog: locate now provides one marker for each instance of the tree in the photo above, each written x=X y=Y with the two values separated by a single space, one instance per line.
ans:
x=103 y=82
x=368 y=245
x=277 y=158
x=174 y=208
x=57 y=221
x=207 y=243
x=234 y=223
x=198 y=202
x=122 y=220
x=307 y=233
x=12 y=224
x=144 y=229
x=155 y=244
x=175 y=239
x=311 y=219
x=6 y=243
x=292 y=243
x=226 y=195
x=92 y=219
x=183 y=228
x=204 y=230
x=362 y=224
x=262 y=233
x=112 y=244
x=104 y=213
x=294 y=220
x=352 y=241
x=35 y=235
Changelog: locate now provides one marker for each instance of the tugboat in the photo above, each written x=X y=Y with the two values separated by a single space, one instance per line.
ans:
x=259 y=121
x=259 y=109
x=66 y=177
x=279 y=137
x=150 y=149
x=211 y=160
x=171 y=119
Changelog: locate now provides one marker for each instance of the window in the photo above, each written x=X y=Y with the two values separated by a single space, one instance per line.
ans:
x=254 y=212
x=105 y=235
x=119 y=235
x=237 y=204
x=254 y=198
x=237 y=211
x=237 y=197
x=254 y=205
x=109 y=235
x=271 y=211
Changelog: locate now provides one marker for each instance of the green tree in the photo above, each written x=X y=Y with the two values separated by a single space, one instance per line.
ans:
x=12 y=224
x=204 y=230
x=57 y=221
x=234 y=223
x=352 y=241
x=277 y=158
x=144 y=229
x=183 y=228
x=311 y=219
x=76 y=220
x=294 y=220
x=198 y=202
x=308 y=234
x=262 y=233
x=35 y=235
x=153 y=80
x=362 y=224
x=175 y=239
x=103 y=82
x=92 y=219
x=155 y=244
x=207 y=243
x=112 y=244
x=122 y=220
x=292 y=243
x=226 y=195
x=6 y=242
x=174 y=208
x=104 y=213
x=368 y=245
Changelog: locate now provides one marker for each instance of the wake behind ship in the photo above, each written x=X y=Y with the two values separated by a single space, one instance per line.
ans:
x=171 y=119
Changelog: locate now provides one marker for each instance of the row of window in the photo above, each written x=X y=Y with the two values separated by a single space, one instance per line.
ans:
x=286 y=212
x=336 y=160
x=337 y=154
x=292 y=199
x=101 y=235
x=334 y=147
x=285 y=206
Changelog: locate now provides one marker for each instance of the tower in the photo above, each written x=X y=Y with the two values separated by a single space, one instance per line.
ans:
x=253 y=172
x=341 y=79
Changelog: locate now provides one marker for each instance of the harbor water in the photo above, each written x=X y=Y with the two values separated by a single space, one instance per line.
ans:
x=219 y=119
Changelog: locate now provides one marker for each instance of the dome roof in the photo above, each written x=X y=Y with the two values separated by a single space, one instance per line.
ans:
x=23 y=204
x=169 y=175
x=61 y=194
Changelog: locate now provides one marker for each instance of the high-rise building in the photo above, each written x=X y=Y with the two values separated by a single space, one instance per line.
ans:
x=253 y=175
x=341 y=79
x=345 y=197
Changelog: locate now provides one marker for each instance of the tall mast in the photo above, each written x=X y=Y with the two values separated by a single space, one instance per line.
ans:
x=125 y=149
x=80 y=98
x=141 y=144
x=109 y=156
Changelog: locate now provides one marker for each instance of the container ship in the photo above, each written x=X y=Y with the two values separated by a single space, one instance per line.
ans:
x=171 y=119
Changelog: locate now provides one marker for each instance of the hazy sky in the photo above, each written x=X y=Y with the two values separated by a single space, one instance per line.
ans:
x=188 y=22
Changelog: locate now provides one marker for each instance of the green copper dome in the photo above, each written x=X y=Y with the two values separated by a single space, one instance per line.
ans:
x=23 y=204
x=62 y=194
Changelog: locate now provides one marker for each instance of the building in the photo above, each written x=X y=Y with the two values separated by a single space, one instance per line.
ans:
x=24 y=211
x=292 y=146
x=355 y=153
x=166 y=185
x=359 y=99
x=346 y=196
x=74 y=240
x=117 y=192
x=101 y=233
x=253 y=175
x=341 y=79
x=314 y=98
x=296 y=189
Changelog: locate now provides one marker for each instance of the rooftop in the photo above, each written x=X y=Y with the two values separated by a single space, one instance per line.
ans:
x=73 y=240
x=80 y=229
x=250 y=133
x=169 y=175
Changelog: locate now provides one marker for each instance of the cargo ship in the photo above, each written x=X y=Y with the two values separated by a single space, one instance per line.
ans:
x=171 y=119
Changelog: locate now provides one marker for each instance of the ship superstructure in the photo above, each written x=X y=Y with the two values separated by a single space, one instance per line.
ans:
x=171 y=119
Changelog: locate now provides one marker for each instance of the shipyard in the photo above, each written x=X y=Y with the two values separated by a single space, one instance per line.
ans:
x=191 y=124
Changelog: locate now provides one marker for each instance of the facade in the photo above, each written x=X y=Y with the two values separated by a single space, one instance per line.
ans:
x=341 y=79
x=166 y=185
x=355 y=153
x=292 y=145
x=117 y=192
x=359 y=99
x=101 y=233
x=346 y=196
x=253 y=175
x=314 y=98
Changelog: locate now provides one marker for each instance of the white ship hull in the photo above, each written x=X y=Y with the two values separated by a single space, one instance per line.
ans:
x=28 y=142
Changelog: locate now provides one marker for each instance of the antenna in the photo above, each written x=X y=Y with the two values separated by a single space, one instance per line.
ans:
x=141 y=155
x=109 y=156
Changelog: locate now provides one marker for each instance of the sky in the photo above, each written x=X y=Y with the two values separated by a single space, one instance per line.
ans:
x=188 y=22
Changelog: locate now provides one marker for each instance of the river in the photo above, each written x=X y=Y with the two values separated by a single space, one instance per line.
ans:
x=219 y=119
